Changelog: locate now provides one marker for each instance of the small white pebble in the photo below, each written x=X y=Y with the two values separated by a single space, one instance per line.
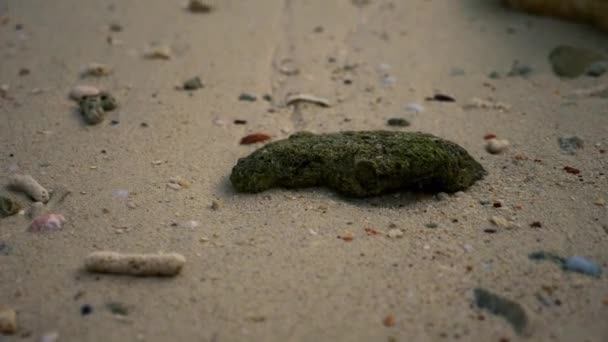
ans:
x=496 y=146
x=395 y=233
x=120 y=193
x=191 y=224
x=414 y=107
x=131 y=205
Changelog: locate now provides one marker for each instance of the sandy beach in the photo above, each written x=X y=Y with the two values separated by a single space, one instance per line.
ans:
x=298 y=264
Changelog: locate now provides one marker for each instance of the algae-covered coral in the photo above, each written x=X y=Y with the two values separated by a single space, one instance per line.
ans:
x=358 y=164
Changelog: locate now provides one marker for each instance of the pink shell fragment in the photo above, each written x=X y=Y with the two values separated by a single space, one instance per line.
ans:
x=47 y=222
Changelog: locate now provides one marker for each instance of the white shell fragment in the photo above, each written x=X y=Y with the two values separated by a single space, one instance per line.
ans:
x=300 y=97
x=80 y=91
x=28 y=185
x=135 y=264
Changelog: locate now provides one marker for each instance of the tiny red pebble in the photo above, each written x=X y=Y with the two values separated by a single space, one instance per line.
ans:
x=254 y=138
x=536 y=224
x=371 y=231
x=489 y=136
x=346 y=237
x=572 y=170
x=389 y=321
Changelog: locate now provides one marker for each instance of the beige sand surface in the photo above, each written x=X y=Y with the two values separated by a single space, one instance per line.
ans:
x=269 y=267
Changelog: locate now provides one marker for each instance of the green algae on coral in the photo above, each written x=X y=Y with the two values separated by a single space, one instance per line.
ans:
x=359 y=164
x=94 y=108
x=8 y=206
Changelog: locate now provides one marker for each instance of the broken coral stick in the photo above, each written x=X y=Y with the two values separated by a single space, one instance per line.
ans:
x=169 y=264
x=28 y=185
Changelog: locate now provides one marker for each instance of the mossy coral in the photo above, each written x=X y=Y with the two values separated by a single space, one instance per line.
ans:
x=359 y=164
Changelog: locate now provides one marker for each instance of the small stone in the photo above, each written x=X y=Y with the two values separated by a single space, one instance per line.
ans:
x=431 y=225
x=174 y=186
x=86 y=309
x=441 y=98
x=398 y=122
x=8 y=321
x=193 y=83
x=600 y=202
x=459 y=194
x=597 y=69
x=215 y=205
x=494 y=75
x=569 y=144
x=181 y=182
x=115 y=27
x=198 y=6
x=389 y=321
x=496 y=146
x=117 y=308
x=500 y=221
x=96 y=70
x=131 y=205
x=518 y=69
x=414 y=108
x=247 y=97
x=158 y=52
x=442 y=196
x=395 y=233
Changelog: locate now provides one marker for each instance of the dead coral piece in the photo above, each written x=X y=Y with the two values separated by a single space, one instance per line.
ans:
x=293 y=99
x=169 y=264
x=359 y=164
x=28 y=185
x=193 y=83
